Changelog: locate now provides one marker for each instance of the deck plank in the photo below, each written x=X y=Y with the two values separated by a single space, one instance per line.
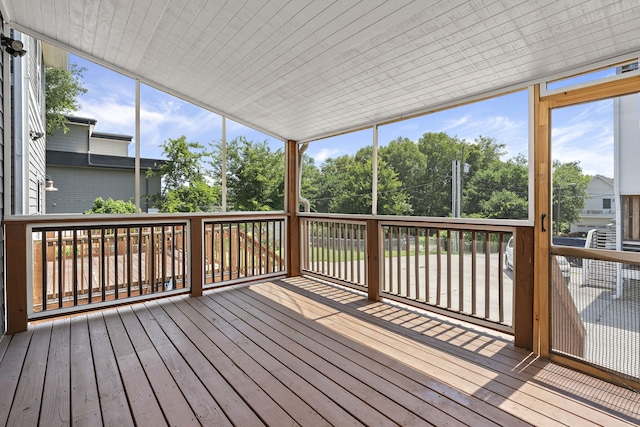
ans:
x=297 y=409
x=113 y=398
x=228 y=399
x=515 y=363
x=357 y=380
x=85 y=402
x=262 y=403
x=174 y=405
x=474 y=411
x=56 y=402
x=291 y=371
x=496 y=379
x=4 y=344
x=11 y=370
x=144 y=406
x=25 y=410
x=206 y=409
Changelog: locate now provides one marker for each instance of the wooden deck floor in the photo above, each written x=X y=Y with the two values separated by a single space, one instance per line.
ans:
x=288 y=352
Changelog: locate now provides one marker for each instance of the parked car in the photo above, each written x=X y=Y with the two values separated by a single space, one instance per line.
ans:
x=565 y=266
x=576 y=242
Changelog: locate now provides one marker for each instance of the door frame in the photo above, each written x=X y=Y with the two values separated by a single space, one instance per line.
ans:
x=543 y=105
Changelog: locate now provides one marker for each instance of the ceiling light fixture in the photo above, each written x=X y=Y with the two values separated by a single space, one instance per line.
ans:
x=49 y=186
x=35 y=135
x=13 y=47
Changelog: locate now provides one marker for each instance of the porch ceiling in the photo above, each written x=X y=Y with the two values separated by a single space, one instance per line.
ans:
x=302 y=69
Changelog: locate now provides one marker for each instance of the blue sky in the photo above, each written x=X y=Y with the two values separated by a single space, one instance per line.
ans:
x=583 y=133
x=110 y=99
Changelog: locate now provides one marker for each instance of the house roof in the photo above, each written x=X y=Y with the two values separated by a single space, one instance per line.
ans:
x=304 y=69
x=604 y=179
x=66 y=158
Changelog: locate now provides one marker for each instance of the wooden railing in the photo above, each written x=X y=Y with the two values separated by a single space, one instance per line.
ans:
x=74 y=266
x=243 y=249
x=452 y=268
x=336 y=249
x=57 y=264
x=60 y=264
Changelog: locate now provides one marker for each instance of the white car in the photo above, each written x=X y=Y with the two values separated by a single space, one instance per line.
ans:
x=564 y=265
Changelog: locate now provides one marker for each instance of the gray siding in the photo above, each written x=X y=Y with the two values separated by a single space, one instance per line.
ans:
x=76 y=140
x=37 y=149
x=79 y=187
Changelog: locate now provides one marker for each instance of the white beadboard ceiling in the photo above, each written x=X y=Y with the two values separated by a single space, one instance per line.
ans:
x=301 y=69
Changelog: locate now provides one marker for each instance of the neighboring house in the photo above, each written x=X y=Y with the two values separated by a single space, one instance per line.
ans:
x=84 y=164
x=600 y=206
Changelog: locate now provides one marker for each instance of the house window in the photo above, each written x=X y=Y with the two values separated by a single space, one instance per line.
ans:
x=606 y=203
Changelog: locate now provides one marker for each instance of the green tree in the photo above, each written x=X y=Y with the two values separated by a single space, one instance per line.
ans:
x=440 y=150
x=498 y=191
x=347 y=184
x=184 y=184
x=62 y=88
x=311 y=182
x=569 y=194
x=410 y=165
x=110 y=206
x=255 y=174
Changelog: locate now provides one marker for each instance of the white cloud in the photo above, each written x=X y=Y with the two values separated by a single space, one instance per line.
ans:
x=452 y=124
x=324 y=154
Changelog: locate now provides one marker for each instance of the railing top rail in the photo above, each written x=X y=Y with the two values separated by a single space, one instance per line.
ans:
x=336 y=220
x=451 y=226
x=462 y=223
x=102 y=219
x=599 y=254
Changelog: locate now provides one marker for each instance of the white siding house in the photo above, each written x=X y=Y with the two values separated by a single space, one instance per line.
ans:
x=600 y=206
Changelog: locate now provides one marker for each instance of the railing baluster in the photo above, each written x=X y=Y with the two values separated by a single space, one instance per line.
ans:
x=460 y=270
x=116 y=281
x=448 y=268
x=359 y=229
x=487 y=275
x=500 y=278
x=416 y=259
x=140 y=251
x=45 y=262
x=351 y=239
x=407 y=250
x=129 y=262
x=246 y=250
x=340 y=250
x=398 y=261
x=154 y=259
x=438 y=268
x=427 y=270
x=103 y=272
x=474 y=288
x=60 y=270
x=75 y=266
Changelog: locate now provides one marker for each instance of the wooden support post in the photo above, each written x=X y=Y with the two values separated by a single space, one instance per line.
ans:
x=197 y=256
x=542 y=220
x=16 y=285
x=293 y=225
x=523 y=252
x=373 y=260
